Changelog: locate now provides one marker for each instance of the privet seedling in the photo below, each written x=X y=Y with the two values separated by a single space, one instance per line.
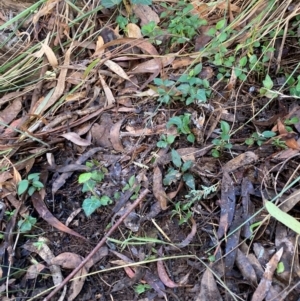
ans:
x=30 y=185
x=165 y=140
x=181 y=171
x=183 y=209
x=259 y=138
x=89 y=181
x=182 y=124
x=131 y=185
x=222 y=142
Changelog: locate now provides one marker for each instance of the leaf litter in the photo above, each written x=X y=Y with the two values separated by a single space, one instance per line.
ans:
x=91 y=105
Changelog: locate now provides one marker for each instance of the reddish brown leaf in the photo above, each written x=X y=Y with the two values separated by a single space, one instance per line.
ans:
x=45 y=214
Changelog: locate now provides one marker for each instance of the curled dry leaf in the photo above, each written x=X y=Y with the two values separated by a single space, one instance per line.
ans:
x=115 y=136
x=45 y=214
x=117 y=69
x=158 y=189
x=133 y=31
x=146 y=14
x=76 y=139
x=46 y=254
x=8 y=114
x=34 y=270
x=109 y=96
x=162 y=273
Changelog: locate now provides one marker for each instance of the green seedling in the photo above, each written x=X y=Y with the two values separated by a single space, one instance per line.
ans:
x=26 y=224
x=222 y=142
x=165 y=140
x=164 y=90
x=278 y=143
x=182 y=123
x=193 y=89
x=152 y=31
x=30 y=185
x=291 y=121
x=267 y=88
x=89 y=181
x=179 y=172
x=259 y=138
x=183 y=209
x=182 y=24
x=131 y=185
x=141 y=288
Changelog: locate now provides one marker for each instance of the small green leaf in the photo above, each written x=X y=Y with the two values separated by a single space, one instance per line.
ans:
x=217 y=142
x=186 y=166
x=225 y=127
x=97 y=176
x=95 y=62
x=197 y=69
x=191 y=138
x=84 y=177
x=249 y=141
x=220 y=24
x=189 y=180
x=291 y=121
x=143 y=2
x=26 y=224
x=105 y=200
x=268 y=134
x=90 y=205
x=38 y=184
x=88 y=186
x=280 y=268
x=172 y=176
x=22 y=186
x=215 y=153
x=176 y=159
x=175 y=121
x=283 y=217
x=243 y=61
x=268 y=83
x=31 y=190
x=32 y=176
x=170 y=139
x=131 y=181
x=162 y=144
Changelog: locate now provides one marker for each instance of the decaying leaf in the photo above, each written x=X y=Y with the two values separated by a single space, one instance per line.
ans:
x=209 y=290
x=266 y=282
x=76 y=139
x=115 y=136
x=158 y=189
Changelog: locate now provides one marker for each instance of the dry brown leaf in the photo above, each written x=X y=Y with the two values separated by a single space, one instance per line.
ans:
x=76 y=96
x=67 y=260
x=60 y=87
x=50 y=55
x=245 y=267
x=46 y=215
x=152 y=66
x=266 y=282
x=133 y=31
x=146 y=14
x=239 y=161
x=46 y=254
x=158 y=189
x=34 y=270
x=115 y=136
x=163 y=276
x=117 y=69
x=45 y=10
x=99 y=50
x=8 y=114
x=76 y=139
x=209 y=290
x=109 y=96
x=290 y=202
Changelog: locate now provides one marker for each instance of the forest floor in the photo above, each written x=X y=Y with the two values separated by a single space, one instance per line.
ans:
x=150 y=150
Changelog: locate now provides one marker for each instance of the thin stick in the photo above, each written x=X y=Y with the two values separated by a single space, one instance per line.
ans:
x=99 y=245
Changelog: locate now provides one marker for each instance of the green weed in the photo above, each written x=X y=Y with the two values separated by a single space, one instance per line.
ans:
x=30 y=185
x=222 y=142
